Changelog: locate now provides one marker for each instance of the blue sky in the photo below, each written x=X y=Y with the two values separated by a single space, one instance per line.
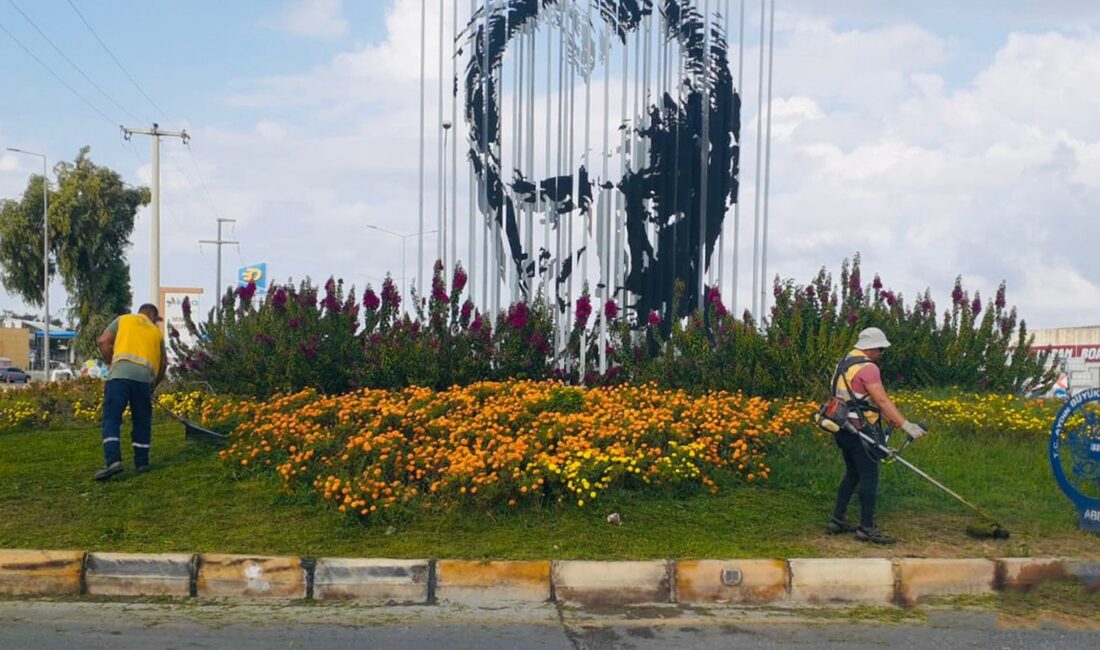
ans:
x=936 y=138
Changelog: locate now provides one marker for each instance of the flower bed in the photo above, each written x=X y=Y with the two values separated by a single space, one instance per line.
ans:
x=506 y=443
x=44 y=405
x=966 y=412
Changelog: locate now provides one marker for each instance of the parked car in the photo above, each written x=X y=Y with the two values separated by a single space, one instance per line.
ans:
x=13 y=375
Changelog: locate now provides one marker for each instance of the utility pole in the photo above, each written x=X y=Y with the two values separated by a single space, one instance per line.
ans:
x=219 y=242
x=45 y=257
x=156 y=134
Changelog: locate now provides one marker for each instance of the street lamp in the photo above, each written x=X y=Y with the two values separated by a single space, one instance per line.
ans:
x=45 y=257
x=402 y=238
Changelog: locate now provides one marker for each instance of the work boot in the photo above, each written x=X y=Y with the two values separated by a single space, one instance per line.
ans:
x=873 y=535
x=109 y=471
x=838 y=526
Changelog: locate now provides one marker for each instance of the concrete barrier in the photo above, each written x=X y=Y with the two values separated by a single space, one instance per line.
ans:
x=377 y=581
x=1023 y=573
x=473 y=582
x=711 y=582
x=612 y=583
x=244 y=576
x=136 y=574
x=923 y=578
x=1086 y=572
x=40 y=573
x=842 y=580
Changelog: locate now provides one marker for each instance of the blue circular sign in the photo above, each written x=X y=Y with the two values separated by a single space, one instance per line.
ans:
x=1075 y=437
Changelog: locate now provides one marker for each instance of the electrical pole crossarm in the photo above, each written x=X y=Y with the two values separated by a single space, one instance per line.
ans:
x=183 y=135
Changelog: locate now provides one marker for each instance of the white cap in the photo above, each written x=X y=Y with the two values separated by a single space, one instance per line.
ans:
x=872 y=338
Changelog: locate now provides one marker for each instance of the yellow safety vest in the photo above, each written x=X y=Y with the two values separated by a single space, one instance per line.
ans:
x=840 y=388
x=138 y=341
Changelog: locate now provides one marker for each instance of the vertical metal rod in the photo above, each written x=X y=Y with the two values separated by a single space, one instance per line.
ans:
x=704 y=154
x=590 y=65
x=441 y=149
x=454 y=125
x=556 y=257
x=767 y=170
x=574 y=191
x=737 y=205
x=756 y=186
x=532 y=258
x=499 y=214
x=704 y=146
x=635 y=163
x=725 y=206
x=543 y=204
x=420 y=223
x=473 y=216
x=517 y=138
x=605 y=202
x=485 y=72
x=624 y=160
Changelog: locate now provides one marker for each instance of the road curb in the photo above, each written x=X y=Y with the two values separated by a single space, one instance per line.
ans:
x=41 y=573
x=492 y=582
x=818 y=581
x=370 y=580
x=251 y=576
x=612 y=583
x=702 y=582
x=732 y=582
x=138 y=574
x=920 y=578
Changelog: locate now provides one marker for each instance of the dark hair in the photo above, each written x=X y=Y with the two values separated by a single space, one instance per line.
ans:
x=150 y=307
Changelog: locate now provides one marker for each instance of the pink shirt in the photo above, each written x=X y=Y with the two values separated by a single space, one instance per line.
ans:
x=868 y=374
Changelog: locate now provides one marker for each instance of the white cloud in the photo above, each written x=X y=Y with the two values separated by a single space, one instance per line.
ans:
x=879 y=147
x=322 y=19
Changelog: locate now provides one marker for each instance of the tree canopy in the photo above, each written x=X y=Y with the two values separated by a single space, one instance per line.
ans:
x=91 y=217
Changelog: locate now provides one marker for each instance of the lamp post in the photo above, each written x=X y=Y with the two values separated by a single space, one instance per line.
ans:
x=402 y=238
x=45 y=258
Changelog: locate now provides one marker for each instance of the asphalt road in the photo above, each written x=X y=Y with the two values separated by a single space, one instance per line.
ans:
x=44 y=625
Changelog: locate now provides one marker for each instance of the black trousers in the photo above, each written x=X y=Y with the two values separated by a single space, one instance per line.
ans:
x=861 y=471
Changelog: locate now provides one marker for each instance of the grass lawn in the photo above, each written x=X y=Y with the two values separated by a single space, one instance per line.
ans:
x=190 y=502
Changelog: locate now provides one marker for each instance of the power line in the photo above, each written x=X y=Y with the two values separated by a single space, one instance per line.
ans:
x=72 y=63
x=120 y=66
x=56 y=76
x=205 y=195
x=202 y=180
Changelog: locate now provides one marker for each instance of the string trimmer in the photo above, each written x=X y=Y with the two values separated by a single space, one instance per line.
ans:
x=989 y=529
x=191 y=430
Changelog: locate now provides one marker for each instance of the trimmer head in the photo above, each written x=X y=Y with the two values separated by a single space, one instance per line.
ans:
x=991 y=530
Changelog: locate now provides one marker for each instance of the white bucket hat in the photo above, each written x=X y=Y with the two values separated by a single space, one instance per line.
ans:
x=872 y=338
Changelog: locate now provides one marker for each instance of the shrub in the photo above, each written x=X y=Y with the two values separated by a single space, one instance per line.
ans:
x=292 y=341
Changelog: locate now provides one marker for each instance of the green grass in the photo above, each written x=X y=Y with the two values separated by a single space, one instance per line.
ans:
x=190 y=502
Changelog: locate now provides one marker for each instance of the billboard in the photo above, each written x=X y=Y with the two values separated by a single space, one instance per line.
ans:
x=171 y=309
x=254 y=273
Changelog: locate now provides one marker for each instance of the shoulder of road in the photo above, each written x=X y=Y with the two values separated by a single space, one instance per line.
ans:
x=792 y=582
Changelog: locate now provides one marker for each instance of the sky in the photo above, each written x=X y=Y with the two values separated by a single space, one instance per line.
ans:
x=935 y=139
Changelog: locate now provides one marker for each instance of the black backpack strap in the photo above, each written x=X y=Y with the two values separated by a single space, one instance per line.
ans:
x=842 y=371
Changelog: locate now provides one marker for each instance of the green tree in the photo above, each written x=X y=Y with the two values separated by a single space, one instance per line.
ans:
x=91 y=218
x=21 y=244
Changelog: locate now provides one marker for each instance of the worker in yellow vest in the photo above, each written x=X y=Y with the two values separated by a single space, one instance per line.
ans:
x=133 y=345
x=858 y=382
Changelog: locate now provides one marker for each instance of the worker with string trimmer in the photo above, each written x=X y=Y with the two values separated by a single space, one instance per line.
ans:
x=859 y=400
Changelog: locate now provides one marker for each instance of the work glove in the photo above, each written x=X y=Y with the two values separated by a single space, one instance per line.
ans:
x=913 y=430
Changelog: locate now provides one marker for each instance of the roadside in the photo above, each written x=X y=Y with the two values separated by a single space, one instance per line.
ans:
x=45 y=625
